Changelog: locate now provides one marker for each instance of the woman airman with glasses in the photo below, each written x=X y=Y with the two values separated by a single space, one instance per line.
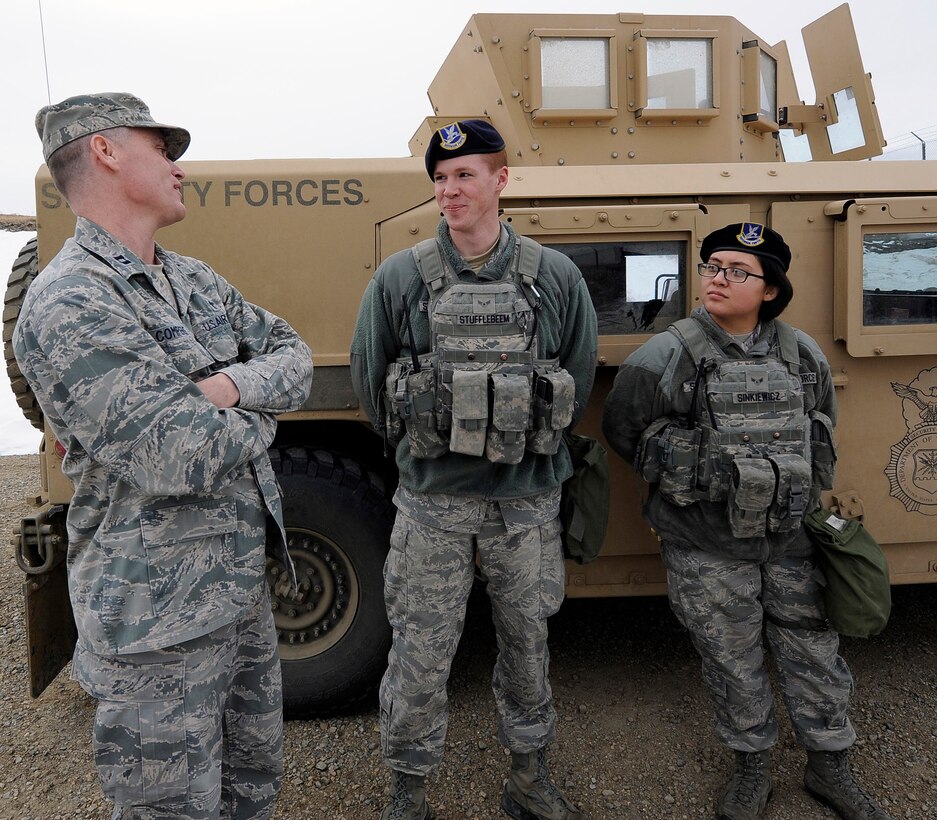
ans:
x=728 y=415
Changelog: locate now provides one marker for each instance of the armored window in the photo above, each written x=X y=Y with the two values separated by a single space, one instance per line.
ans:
x=898 y=282
x=636 y=287
x=885 y=298
x=759 y=88
x=575 y=72
x=674 y=75
x=679 y=73
x=846 y=133
x=572 y=76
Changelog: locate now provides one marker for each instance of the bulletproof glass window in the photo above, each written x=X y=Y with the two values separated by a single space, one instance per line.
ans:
x=768 y=86
x=636 y=287
x=845 y=134
x=796 y=147
x=679 y=73
x=575 y=73
x=899 y=279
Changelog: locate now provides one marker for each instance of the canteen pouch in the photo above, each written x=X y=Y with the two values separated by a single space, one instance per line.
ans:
x=678 y=454
x=469 y=412
x=751 y=491
x=425 y=440
x=822 y=451
x=554 y=397
x=510 y=411
x=393 y=422
x=792 y=494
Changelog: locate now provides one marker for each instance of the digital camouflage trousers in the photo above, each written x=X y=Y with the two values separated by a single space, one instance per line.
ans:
x=191 y=731
x=729 y=607
x=427 y=579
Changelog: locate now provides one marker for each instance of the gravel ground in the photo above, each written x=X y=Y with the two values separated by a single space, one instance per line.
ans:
x=634 y=739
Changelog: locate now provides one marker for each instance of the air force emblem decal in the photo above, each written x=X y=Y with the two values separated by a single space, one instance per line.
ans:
x=912 y=468
x=452 y=137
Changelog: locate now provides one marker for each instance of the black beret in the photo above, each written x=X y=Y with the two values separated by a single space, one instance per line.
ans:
x=460 y=138
x=748 y=237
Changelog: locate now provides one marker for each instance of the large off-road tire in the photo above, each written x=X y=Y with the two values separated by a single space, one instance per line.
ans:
x=334 y=635
x=25 y=269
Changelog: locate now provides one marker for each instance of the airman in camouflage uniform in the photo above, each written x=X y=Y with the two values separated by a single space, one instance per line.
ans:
x=474 y=478
x=163 y=385
x=739 y=561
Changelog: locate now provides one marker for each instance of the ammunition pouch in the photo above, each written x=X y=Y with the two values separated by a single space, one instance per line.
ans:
x=410 y=404
x=469 y=412
x=751 y=493
x=668 y=455
x=792 y=495
x=552 y=404
x=510 y=412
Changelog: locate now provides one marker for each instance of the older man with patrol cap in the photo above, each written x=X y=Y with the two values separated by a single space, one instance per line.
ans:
x=473 y=351
x=162 y=383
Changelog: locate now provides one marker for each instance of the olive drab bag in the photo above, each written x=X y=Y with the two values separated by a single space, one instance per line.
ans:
x=858 y=587
x=584 y=505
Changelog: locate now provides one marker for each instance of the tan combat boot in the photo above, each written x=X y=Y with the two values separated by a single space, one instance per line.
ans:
x=408 y=801
x=529 y=793
x=828 y=778
x=749 y=789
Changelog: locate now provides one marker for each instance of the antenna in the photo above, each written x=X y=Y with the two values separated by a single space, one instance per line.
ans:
x=45 y=59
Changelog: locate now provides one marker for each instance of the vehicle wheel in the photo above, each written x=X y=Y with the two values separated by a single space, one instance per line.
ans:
x=25 y=269
x=333 y=635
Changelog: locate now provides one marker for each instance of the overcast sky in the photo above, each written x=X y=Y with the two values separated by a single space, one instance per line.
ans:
x=304 y=78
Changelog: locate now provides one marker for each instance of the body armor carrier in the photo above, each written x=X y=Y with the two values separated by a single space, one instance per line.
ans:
x=747 y=440
x=481 y=390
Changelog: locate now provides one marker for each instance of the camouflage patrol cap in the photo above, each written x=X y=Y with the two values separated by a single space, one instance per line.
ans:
x=748 y=237
x=85 y=114
x=460 y=138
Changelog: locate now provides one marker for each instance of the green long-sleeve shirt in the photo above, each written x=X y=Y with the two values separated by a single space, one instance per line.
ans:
x=566 y=329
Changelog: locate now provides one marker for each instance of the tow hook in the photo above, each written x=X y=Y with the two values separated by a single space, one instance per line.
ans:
x=39 y=542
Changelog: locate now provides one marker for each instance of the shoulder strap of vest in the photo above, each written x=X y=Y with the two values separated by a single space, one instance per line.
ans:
x=528 y=265
x=692 y=337
x=430 y=265
x=787 y=342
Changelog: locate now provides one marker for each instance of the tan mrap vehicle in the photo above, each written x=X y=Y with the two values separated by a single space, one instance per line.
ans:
x=630 y=137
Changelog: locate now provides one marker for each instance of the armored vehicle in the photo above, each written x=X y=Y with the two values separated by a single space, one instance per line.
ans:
x=630 y=137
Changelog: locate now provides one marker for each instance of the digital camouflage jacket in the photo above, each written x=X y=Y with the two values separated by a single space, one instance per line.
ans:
x=167 y=526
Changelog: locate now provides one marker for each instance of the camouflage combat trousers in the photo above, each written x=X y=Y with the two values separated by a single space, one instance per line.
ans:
x=192 y=731
x=727 y=604
x=427 y=579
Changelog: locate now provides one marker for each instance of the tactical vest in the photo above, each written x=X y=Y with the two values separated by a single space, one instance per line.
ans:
x=481 y=390
x=747 y=441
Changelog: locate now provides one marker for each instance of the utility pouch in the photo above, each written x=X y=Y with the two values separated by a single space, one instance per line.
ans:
x=510 y=411
x=751 y=492
x=678 y=454
x=822 y=451
x=469 y=412
x=554 y=397
x=647 y=456
x=425 y=440
x=394 y=381
x=792 y=494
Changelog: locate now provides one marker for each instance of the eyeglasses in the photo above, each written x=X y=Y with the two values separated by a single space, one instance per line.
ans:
x=736 y=275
